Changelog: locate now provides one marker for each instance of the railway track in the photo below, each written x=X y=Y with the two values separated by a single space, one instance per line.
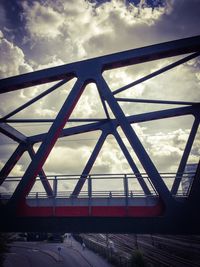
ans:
x=173 y=251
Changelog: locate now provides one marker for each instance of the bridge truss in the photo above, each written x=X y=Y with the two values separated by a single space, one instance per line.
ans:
x=177 y=215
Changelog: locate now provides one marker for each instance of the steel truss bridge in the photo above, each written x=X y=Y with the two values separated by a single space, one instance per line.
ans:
x=157 y=208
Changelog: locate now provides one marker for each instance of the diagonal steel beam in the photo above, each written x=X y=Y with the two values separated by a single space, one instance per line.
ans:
x=185 y=156
x=45 y=148
x=12 y=133
x=156 y=73
x=131 y=163
x=50 y=90
x=135 y=142
x=42 y=175
x=89 y=164
x=10 y=164
x=122 y=59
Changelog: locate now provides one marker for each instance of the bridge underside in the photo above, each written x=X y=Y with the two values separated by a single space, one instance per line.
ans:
x=140 y=216
x=179 y=225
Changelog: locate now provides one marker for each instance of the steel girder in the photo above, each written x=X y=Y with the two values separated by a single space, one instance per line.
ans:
x=88 y=71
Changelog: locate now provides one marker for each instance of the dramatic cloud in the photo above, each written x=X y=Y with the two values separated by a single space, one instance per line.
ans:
x=42 y=21
x=53 y=33
x=12 y=59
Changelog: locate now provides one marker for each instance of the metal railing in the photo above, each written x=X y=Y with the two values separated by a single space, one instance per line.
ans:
x=129 y=185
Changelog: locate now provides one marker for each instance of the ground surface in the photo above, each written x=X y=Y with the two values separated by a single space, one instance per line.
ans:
x=40 y=254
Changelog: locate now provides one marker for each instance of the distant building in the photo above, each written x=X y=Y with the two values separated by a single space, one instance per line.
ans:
x=190 y=170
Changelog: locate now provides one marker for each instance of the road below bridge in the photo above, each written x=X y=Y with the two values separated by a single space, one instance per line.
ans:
x=40 y=254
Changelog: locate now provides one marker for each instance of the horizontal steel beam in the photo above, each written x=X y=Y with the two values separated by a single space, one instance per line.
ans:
x=116 y=60
x=152 y=101
x=150 y=116
x=49 y=120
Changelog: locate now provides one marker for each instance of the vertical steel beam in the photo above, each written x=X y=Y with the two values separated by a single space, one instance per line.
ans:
x=185 y=156
x=89 y=164
x=42 y=175
x=45 y=148
x=131 y=163
x=10 y=164
x=135 y=142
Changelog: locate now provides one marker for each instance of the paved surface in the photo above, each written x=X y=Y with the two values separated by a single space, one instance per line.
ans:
x=40 y=254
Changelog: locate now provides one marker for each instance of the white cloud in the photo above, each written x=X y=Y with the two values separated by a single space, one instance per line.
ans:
x=12 y=60
x=167 y=148
x=64 y=160
x=42 y=21
x=78 y=30
x=1 y=34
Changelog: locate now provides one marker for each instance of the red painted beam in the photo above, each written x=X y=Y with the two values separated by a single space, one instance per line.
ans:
x=96 y=211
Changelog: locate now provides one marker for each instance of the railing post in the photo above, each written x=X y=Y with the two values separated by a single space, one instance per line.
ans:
x=126 y=188
x=90 y=194
x=37 y=204
x=55 y=186
x=89 y=186
x=126 y=185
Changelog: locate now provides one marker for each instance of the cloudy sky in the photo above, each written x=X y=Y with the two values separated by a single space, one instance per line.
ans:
x=40 y=34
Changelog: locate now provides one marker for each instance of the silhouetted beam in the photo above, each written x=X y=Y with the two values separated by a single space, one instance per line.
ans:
x=48 y=120
x=132 y=163
x=10 y=164
x=185 y=157
x=130 y=57
x=149 y=116
x=152 y=52
x=12 y=133
x=157 y=72
x=30 y=102
x=28 y=179
x=42 y=175
x=152 y=101
x=70 y=131
x=135 y=143
x=89 y=164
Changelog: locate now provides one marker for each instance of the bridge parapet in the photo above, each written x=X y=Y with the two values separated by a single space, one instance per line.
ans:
x=97 y=186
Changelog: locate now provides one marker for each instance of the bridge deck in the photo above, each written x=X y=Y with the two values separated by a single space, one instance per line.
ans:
x=109 y=207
